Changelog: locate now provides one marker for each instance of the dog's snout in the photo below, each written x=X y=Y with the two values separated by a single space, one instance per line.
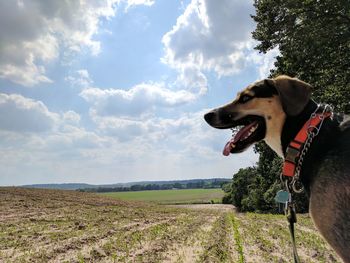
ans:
x=209 y=117
x=220 y=118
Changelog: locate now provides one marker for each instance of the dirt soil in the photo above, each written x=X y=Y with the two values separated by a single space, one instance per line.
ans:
x=220 y=207
x=69 y=226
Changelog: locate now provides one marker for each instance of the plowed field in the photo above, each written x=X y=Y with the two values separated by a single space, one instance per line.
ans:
x=68 y=226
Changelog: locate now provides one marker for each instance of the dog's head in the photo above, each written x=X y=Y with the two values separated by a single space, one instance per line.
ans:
x=259 y=112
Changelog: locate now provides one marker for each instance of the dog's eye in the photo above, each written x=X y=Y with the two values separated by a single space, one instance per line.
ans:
x=244 y=98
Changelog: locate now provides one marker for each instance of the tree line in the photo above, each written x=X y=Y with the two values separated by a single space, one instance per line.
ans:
x=200 y=184
x=313 y=38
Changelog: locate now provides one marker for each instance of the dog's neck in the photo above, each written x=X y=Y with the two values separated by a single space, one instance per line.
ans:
x=320 y=145
x=293 y=125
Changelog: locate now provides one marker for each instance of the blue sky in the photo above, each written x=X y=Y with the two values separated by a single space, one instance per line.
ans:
x=115 y=90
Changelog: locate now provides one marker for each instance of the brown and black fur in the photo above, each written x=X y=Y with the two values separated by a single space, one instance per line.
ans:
x=285 y=104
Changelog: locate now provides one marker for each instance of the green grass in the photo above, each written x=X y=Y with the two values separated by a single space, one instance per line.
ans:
x=237 y=237
x=183 y=196
x=217 y=244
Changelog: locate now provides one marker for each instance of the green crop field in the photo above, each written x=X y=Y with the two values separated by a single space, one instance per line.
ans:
x=183 y=196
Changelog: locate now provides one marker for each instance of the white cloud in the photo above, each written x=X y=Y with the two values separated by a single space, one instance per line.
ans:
x=33 y=31
x=185 y=134
x=72 y=139
x=151 y=130
x=116 y=150
x=80 y=79
x=71 y=117
x=192 y=78
x=139 y=2
x=179 y=147
x=19 y=60
x=211 y=36
x=139 y=100
x=21 y=114
x=119 y=128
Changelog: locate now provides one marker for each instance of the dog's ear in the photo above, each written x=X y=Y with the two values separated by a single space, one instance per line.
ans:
x=294 y=93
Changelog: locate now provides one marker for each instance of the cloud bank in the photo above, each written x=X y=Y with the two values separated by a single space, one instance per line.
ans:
x=21 y=114
x=139 y=100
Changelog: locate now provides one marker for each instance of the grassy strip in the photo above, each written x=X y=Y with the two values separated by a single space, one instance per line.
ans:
x=237 y=237
x=217 y=244
x=265 y=237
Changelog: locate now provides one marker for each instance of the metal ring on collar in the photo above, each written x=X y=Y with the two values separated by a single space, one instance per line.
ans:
x=297 y=189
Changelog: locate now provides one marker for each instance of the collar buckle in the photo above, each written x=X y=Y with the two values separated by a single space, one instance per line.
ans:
x=292 y=154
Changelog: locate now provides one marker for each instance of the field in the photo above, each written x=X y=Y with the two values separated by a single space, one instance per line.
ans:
x=183 y=196
x=68 y=226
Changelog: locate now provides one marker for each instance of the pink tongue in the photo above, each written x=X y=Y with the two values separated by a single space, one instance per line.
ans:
x=236 y=138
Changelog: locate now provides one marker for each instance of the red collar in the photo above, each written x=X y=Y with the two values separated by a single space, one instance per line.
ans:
x=296 y=146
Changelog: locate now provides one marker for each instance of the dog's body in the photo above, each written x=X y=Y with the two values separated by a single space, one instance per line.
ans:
x=275 y=110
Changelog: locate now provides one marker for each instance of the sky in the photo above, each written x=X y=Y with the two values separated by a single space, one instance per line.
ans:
x=109 y=91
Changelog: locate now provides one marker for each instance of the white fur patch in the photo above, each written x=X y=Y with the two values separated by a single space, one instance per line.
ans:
x=275 y=144
x=275 y=119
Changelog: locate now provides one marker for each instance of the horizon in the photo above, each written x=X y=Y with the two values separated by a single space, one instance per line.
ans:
x=131 y=182
x=94 y=92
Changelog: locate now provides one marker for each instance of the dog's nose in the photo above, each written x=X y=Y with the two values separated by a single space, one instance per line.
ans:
x=209 y=117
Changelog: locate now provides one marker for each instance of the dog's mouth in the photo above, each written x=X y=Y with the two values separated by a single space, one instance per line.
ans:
x=246 y=131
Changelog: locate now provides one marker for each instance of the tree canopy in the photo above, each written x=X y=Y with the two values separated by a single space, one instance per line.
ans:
x=313 y=37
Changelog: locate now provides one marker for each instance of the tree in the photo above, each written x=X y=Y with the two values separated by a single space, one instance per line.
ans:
x=313 y=37
x=240 y=187
x=268 y=181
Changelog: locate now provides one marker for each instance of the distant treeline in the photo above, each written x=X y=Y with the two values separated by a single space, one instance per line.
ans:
x=200 y=184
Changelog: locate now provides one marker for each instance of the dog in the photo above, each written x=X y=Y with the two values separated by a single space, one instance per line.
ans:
x=276 y=110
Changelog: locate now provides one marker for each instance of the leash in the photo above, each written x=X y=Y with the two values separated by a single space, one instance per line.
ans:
x=292 y=219
x=290 y=175
x=285 y=197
